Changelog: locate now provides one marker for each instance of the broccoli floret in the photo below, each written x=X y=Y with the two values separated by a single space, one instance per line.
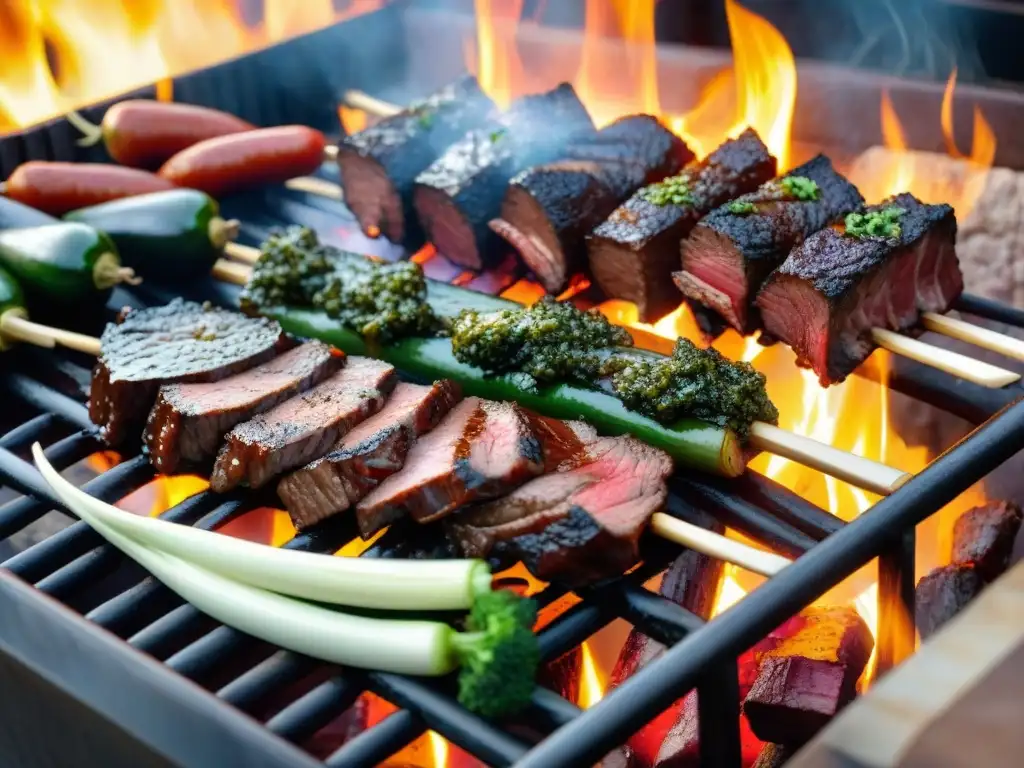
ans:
x=498 y=655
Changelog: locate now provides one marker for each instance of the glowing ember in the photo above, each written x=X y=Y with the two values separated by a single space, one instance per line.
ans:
x=439 y=749
x=61 y=54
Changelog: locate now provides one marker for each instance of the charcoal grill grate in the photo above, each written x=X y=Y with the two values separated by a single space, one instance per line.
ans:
x=124 y=708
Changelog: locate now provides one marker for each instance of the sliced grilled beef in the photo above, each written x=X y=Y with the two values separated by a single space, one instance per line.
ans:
x=188 y=421
x=460 y=193
x=180 y=342
x=371 y=452
x=303 y=428
x=550 y=209
x=480 y=450
x=730 y=253
x=633 y=254
x=378 y=165
x=578 y=525
x=833 y=289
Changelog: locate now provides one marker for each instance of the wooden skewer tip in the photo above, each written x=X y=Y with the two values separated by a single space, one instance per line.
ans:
x=717 y=546
x=966 y=368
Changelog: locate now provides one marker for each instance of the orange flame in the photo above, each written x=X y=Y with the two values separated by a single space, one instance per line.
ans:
x=61 y=54
x=591 y=683
x=494 y=59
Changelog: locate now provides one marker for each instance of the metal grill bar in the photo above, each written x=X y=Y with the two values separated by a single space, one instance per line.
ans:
x=316 y=709
x=374 y=746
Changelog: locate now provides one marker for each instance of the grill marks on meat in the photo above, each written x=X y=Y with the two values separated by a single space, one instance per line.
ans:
x=578 y=525
x=832 y=290
x=187 y=423
x=462 y=191
x=366 y=456
x=180 y=342
x=480 y=450
x=729 y=255
x=550 y=209
x=633 y=254
x=379 y=165
x=303 y=428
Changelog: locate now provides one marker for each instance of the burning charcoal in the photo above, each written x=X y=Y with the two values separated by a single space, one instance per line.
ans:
x=550 y=209
x=563 y=675
x=943 y=593
x=808 y=677
x=984 y=536
x=379 y=165
x=838 y=285
x=731 y=252
x=773 y=756
x=634 y=252
x=681 y=747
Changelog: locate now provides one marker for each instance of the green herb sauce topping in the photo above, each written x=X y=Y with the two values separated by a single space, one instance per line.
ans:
x=742 y=207
x=884 y=223
x=674 y=190
x=800 y=188
x=554 y=341
x=380 y=301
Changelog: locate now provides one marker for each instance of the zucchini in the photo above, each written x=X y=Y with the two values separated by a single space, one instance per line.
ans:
x=694 y=443
x=172 y=236
x=63 y=264
x=12 y=304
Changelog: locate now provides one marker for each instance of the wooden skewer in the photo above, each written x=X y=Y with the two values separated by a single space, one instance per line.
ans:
x=973 y=334
x=967 y=368
x=370 y=104
x=315 y=186
x=715 y=545
x=17 y=327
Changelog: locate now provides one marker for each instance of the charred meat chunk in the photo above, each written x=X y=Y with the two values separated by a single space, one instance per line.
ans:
x=180 y=342
x=732 y=251
x=379 y=164
x=480 y=450
x=579 y=525
x=985 y=536
x=550 y=209
x=303 y=428
x=366 y=456
x=838 y=285
x=633 y=254
x=458 y=195
x=188 y=421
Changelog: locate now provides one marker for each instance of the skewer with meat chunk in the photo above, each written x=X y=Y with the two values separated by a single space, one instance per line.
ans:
x=379 y=164
x=839 y=285
x=633 y=254
x=550 y=209
x=731 y=252
x=459 y=194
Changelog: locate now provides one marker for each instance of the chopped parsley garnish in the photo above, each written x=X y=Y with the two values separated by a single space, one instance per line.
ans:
x=742 y=207
x=884 y=223
x=800 y=188
x=497 y=135
x=674 y=190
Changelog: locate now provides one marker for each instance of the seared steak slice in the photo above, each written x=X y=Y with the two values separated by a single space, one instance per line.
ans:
x=371 y=452
x=378 y=165
x=633 y=254
x=180 y=342
x=187 y=423
x=460 y=193
x=576 y=526
x=303 y=428
x=480 y=450
x=550 y=209
x=731 y=252
x=833 y=289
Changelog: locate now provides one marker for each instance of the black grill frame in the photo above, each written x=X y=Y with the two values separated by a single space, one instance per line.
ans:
x=121 y=707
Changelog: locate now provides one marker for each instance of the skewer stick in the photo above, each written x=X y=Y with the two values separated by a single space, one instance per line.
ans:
x=370 y=104
x=19 y=328
x=243 y=253
x=859 y=471
x=330 y=153
x=715 y=545
x=314 y=186
x=974 y=334
x=231 y=272
x=966 y=368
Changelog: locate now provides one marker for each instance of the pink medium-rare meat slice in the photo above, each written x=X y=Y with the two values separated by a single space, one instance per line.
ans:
x=832 y=290
x=635 y=251
x=367 y=455
x=579 y=525
x=180 y=342
x=303 y=428
x=188 y=421
x=480 y=450
x=732 y=251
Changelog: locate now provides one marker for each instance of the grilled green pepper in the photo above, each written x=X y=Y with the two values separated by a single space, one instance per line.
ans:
x=64 y=263
x=171 y=236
